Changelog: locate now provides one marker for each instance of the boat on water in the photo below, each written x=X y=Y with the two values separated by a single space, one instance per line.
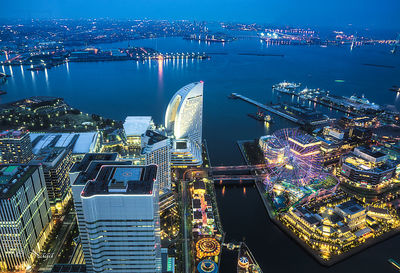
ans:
x=313 y=92
x=362 y=102
x=246 y=261
x=261 y=116
x=286 y=87
x=395 y=88
x=2 y=92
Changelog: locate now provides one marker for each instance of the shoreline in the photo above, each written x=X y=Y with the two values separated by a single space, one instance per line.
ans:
x=335 y=259
x=314 y=254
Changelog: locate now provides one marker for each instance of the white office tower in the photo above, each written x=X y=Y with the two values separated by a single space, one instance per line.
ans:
x=183 y=120
x=121 y=213
x=80 y=173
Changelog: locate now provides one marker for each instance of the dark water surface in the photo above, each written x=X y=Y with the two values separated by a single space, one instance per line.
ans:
x=118 y=89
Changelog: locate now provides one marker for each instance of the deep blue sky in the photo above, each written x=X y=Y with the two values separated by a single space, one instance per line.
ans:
x=363 y=13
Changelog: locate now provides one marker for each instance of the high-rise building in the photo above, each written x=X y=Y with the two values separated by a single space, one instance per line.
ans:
x=80 y=173
x=184 y=116
x=158 y=151
x=121 y=213
x=183 y=122
x=56 y=162
x=25 y=215
x=15 y=147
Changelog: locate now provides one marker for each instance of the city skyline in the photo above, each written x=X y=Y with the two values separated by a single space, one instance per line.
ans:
x=360 y=14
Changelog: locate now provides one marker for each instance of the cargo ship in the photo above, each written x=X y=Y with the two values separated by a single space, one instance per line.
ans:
x=246 y=261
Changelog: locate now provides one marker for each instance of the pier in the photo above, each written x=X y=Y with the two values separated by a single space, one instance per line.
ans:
x=268 y=108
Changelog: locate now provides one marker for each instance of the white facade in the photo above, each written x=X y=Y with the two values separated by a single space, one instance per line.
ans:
x=80 y=174
x=160 y=154
x=123 y=224
x=184 y=116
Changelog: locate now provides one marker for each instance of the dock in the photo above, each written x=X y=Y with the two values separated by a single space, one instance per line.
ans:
x=395 y=264
x=268 y=108
x=318 y=101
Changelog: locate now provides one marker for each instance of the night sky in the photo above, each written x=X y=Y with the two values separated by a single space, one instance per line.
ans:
x=383 y=14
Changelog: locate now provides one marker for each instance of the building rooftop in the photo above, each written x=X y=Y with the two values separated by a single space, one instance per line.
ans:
x=81 y=143
x=359 y=161
x=199 y=185
x=367 y=151
x=13 y=134
x=154 y=137
x=137 y=125
x=196 y=204
x=88 y=158
x=12 y=177
x=303 y=139
x=136 y=180
x=272 y=142
x=350 y=207
x=93 y=169
x=50 y=156
x=197 y=215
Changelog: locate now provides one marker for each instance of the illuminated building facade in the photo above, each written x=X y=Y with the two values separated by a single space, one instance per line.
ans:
x=274 y=151
x=185 y=153
x=183 y=121
x=56 y=163
x=135 y=127
x=158 y=151
x=80 y=173
x=354 y=214
x=304 y=145
x=25 y=215
x=184 y=115
x=15 y=147
x=121 y=213
x=367 y=168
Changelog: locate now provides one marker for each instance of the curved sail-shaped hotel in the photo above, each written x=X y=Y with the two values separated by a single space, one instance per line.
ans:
x=183 y=121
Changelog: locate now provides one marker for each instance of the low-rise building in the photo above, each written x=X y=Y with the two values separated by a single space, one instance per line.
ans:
x=354 y=214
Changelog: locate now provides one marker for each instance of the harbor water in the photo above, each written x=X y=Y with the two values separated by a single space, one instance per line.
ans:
x=118 y=89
